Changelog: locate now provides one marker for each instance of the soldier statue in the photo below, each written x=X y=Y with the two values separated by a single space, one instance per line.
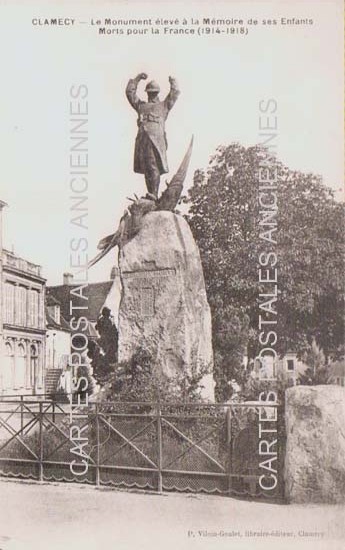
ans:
x=150 y=156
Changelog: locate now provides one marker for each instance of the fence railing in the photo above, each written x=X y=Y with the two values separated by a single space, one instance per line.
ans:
x=230 y=448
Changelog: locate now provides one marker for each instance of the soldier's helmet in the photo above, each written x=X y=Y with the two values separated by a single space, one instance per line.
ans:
x=152 y=87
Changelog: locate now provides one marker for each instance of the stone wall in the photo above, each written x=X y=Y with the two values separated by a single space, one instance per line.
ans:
x=315 y=447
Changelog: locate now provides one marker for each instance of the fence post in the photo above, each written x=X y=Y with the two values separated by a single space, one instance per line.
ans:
x=21 y=413
x=159 y=447
x=229 y=446
x=40 y=466
x=281 y=447
x=97 y=445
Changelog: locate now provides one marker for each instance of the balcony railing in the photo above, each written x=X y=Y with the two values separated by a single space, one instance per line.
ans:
x=11 y=260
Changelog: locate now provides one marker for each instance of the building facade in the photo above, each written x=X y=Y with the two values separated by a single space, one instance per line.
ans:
x=288 y=368
x=22 y=324
x=58 y=337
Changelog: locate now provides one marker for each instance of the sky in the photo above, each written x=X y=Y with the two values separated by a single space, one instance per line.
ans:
x=222 y=80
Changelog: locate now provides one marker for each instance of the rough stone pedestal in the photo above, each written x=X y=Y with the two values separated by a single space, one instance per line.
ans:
x=164 y=308
x=315 y=453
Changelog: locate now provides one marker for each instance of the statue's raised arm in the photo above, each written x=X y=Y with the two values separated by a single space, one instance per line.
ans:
x=131 y=90
x=173 y=94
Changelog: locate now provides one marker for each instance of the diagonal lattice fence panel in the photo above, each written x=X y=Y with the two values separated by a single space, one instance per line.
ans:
x=230 y=449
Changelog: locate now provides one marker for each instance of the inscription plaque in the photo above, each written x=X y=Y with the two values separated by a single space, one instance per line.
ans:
x=149 y=274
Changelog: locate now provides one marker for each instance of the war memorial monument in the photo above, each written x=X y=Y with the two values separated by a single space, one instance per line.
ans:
x=163 y=308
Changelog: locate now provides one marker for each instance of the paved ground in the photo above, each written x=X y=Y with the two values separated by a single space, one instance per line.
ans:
x=72 y=517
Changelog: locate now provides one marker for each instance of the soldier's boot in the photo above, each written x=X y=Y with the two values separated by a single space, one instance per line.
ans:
x=152 y=179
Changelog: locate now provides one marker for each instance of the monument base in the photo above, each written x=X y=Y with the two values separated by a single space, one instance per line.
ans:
x=164 y=309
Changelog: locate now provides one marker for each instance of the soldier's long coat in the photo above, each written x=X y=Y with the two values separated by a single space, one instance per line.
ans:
x=151 y=127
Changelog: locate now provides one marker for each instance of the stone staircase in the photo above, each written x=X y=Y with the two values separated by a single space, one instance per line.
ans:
x=51 y=380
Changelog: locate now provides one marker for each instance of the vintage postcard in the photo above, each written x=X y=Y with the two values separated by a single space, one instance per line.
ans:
x=172 y=359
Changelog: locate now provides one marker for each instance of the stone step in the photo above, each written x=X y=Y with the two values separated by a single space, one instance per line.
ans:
x=51 y=380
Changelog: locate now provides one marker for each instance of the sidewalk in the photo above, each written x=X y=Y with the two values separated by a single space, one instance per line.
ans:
x=37 y=516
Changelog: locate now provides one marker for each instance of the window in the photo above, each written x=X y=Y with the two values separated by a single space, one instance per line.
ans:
x=290 y=365
x=8 y=367
x=9 y=303
x=33 y=364
x=57 y=314
x=19 y=381
x=8 y=349
x=54 y=312
x=21 y=306
x=33 y=308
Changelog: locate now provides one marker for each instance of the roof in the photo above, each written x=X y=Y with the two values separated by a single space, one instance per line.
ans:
x=52 y=301
x=51 y=323
x=95 y=292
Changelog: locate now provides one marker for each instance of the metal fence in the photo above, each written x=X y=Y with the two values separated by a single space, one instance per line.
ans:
x=229 y=449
